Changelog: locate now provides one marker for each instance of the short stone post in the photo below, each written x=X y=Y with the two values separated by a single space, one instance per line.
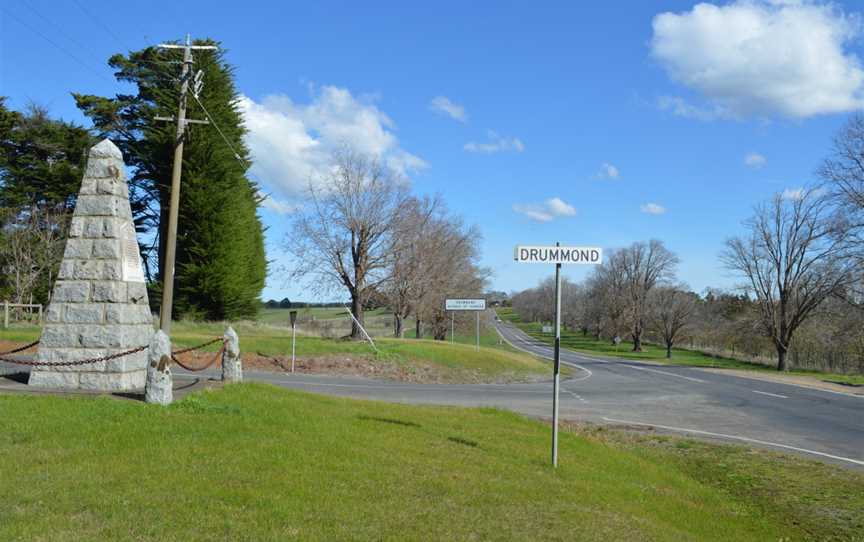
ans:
x=232 y=365
x=158 y=387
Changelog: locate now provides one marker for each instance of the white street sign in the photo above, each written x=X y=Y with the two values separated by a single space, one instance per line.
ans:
x=465 y=304
x=559 y=255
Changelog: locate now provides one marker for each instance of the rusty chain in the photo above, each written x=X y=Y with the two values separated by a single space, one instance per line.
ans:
x=20 y=348
x=174 y=354
x=209 y=364
x=34 y=363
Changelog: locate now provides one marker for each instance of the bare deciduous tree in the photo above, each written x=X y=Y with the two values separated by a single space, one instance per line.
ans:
x=643 y=266
x=671 y=310
x=345 y=237
x=795 y=256
x=32 y=247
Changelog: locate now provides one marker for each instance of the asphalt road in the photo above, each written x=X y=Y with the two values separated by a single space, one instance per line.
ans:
x=823 y=424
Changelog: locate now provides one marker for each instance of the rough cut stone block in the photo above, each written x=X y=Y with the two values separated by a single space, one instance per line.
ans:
x=54 y=379
x=112 y=270
x=67 y=270
x=54 y=312
x=137 y=292
x=59 y=336
x=76 y=227
x=110 y=227
x=106 y=249
x=58 y=355
x=84 y=313
x=87 y=269
x=97 y=205
x=111 y=186
x=101 y=336
x=88 y=187
x=103 y=168
x=104 y=381
x=131 y=362
x=109 y=291
x=73 y=292
x=78 y=248
x=128 y=314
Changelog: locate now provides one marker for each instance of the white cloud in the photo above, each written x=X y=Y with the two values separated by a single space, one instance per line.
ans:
x=546 y=211
x=761 y=58
x=495 y=144
x=793 y=193
x=278 y=206
x=755 y=160
x=442 y=104
x=608 y=171
x=652 y=209
x=292 y=143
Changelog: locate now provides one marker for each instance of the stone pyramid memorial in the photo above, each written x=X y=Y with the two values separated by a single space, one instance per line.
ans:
x=99 y=304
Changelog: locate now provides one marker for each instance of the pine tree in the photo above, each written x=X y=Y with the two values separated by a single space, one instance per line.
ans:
x=221 y=264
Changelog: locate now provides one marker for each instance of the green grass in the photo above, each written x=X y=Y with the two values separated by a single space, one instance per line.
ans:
x=574 y=340
x=459 y=361
x=254 y=462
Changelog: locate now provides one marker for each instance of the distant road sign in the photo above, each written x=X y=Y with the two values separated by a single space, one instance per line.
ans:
x=559 y=255
x=548 y=329
x=465 y=304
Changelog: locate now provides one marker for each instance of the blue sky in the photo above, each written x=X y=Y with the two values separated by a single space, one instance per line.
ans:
x=584 y=123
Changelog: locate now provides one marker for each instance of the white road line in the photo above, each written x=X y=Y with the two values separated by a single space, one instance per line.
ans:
x=770 y=394
x=588 y=373
x=736 y=437
x=667 y=373
x=577 y=396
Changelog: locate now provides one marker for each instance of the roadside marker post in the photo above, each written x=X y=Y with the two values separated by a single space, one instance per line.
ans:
x=557 y=255
x=293 y=315
x=477 y=305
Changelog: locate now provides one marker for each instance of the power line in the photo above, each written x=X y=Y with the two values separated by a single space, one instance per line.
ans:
x=103 y=25
x=242 y=161
x=55 y=44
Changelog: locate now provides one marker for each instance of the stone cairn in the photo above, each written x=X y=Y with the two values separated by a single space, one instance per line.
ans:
x=99 y=304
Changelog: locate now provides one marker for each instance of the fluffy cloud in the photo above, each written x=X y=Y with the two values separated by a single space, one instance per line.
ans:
x=608 y=171
x=443 y=105
x=495 y=144
x=292 y=143
x=278 y=206
x=652 y=209
x=761 y=58
x=755 y=160
x=546 y=211
x=793 y=193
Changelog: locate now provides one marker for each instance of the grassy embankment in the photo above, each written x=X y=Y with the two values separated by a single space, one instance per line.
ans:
x=254 y=462
x=656 y=354
x=451 y=362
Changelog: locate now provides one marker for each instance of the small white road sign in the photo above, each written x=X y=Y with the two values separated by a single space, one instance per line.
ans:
x=465 y=304
x=559 y=255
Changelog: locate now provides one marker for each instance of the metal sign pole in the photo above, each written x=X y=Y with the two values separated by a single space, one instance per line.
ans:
x=477 y=348
x=293 y=315
x=293 y=345
x=452 y=327
x=557 y=364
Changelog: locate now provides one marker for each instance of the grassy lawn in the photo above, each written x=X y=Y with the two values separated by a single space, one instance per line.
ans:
x=655 y=354
x=254 y=462
x=493 y=362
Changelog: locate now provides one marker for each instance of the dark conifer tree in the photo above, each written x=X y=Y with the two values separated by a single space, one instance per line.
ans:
x=221 y=264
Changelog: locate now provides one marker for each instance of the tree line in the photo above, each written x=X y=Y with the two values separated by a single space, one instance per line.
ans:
x=800 y=262
x=221 y=263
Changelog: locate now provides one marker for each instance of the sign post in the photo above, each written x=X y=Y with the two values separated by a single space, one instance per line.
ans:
x=293 y=315
x=477 y=305
x=558 y=255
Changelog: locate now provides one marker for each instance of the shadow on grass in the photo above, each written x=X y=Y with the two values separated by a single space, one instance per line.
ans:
x=464 y=442
x=387 y=420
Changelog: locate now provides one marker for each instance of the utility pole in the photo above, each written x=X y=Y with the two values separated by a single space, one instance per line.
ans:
x=182 y=121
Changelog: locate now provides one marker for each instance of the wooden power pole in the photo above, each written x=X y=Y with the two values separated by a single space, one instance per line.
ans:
x=182 y=121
